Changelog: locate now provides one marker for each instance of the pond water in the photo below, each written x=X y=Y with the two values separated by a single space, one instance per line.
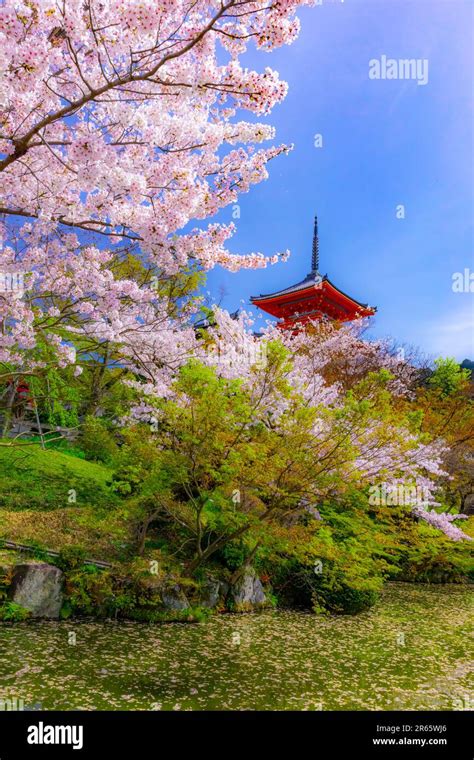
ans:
x=411 y=652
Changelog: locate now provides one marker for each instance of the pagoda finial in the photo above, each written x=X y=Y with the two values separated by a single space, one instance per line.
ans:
x=315 y=256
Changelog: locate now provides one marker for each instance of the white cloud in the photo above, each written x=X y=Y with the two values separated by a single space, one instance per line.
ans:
x=452 y=334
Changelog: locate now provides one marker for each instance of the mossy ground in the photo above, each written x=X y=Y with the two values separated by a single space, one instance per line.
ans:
x=409 y=652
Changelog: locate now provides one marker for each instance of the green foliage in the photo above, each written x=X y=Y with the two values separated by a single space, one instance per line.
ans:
x=332 y=594
x=11 y=612
x=96 y=441
x=90 y=591
x=57 y=397
x=423 y=556
x=126 y=480
x=233 y=555
x=5 y=580
x=355 y=548
x=322 y=588
x=227 y=479
x=71 y=558
x=189 y=615
x=448 y=376
x=94 y=592
x=216 y=442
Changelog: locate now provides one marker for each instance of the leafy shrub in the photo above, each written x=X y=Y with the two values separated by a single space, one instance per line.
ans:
x=126 y=480
x=297 y=585
x=232 y=555
x=70 y=558
x=96 y=441
x=449 y=376
x=292 y=583
x=432 y=570
x=423 y=555
x=189 y=615
x=5 y=581
x=337 y=597
x=13 y=613
x=89 y=591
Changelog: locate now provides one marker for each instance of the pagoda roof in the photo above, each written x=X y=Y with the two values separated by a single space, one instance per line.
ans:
x=312 y=280
x=315 y=295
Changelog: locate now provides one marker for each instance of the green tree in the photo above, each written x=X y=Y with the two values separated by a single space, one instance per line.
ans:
x=448 y=377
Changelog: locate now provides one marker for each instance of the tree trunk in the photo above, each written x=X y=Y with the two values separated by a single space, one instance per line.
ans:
x=8 y=409
x=96 y=388
x=240 y=570
x=212 y=548
x=142 y=531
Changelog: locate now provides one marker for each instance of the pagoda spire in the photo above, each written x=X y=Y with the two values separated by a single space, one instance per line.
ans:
x=315 y=255
x=312 y=299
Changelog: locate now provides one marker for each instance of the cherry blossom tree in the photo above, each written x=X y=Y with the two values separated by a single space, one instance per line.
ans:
x=363 y=429
x=120 y=123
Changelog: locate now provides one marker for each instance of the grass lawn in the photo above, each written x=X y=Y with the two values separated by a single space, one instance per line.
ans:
x=37 y=502
x=33 y=478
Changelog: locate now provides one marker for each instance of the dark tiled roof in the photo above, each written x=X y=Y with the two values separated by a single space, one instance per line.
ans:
x=311 y=279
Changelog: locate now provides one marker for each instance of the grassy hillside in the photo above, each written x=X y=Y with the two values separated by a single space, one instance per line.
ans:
x=33 y=478
x=55 y=500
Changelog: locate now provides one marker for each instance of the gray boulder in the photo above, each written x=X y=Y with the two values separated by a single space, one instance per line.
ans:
x=174 y=598
x=247 y=593
x=213 y=592
x=38 y=587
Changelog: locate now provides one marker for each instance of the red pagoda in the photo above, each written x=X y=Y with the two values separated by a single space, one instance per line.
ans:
x=314 y=298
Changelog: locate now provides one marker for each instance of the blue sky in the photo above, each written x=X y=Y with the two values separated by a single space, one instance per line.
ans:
x=385 y=143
